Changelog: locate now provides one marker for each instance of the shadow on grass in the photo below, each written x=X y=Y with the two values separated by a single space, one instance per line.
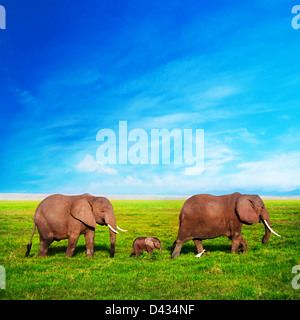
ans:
x=186 y=249
x=189 y=247
x=80 y=248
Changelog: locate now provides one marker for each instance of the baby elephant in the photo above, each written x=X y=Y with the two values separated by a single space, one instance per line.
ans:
x=145 y=244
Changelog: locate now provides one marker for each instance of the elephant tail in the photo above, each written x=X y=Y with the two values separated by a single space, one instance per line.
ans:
x=30 y=242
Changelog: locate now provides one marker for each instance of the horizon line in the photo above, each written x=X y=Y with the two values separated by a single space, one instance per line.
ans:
x=42 y=196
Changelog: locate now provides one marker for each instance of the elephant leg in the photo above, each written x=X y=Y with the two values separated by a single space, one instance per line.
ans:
x=177 y=249
x=179 y=243
x=132 y=252
x=138 y=252
x=89 y=242
x=46 y=237
x=44 y=246
x=235 y=245
x=199 y=246
x=72 y=244
x=244 y=245
x=149 y=250
x=236 y=241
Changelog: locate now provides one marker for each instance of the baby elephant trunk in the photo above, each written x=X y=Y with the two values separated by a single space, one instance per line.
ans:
x=159 y=247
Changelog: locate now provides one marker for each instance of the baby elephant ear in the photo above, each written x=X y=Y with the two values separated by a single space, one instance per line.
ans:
x=245 y=208
x=149 y=242
x=82 y=210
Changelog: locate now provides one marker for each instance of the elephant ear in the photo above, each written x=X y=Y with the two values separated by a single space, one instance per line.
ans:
x=149 y=242
x=82 y=210
x=245 y=208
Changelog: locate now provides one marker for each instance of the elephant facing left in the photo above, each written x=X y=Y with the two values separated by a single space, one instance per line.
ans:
x=60 y=217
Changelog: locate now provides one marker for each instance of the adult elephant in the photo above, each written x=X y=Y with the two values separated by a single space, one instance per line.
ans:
x=67 y=217
x=205 y=216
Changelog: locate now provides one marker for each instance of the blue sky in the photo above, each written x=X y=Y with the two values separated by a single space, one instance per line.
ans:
x=71 y=68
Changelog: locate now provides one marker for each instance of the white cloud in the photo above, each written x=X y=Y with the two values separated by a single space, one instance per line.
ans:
x=132 y=181
x=280 y=173
x=237 y=134
x=220 y=92
x=89 y=164
x=275 y=173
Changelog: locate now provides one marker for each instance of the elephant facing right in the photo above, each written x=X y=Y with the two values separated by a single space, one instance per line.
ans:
x=206 y=216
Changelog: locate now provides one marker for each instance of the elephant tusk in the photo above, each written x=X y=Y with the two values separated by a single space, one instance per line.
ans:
x=121 y=229
x=112 y=229
x=267 y=225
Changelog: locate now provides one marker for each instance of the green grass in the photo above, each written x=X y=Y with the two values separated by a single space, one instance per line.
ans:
x=263 y=272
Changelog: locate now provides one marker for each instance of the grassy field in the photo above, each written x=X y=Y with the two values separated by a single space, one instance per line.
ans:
x=263 y=272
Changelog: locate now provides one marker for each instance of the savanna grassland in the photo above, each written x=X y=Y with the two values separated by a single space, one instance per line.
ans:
x=263 y=272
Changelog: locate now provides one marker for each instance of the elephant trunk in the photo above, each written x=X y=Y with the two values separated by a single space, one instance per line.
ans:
x=266 y=221
x=111 y=222
x=267 y=232
x=112 y=243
